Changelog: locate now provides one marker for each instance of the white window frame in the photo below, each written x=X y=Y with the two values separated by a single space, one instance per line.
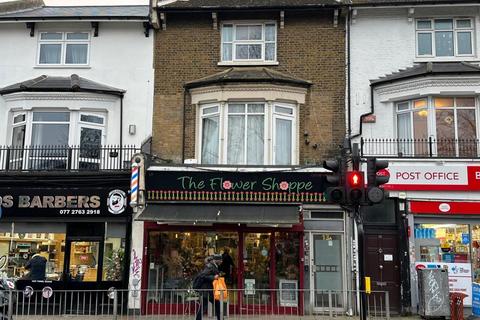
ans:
x=63 y=42
x=455 y=31
x=269 y=126
x=431 y=117
x=262 y=42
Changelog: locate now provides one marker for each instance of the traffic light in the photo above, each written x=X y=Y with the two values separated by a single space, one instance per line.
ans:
x=376 y=179
x=355 y=187
x=335 y=192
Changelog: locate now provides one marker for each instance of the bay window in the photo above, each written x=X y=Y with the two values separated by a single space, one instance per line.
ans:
x=451 y=122
x=249 y=42
x=251 y=133
x=63 y=48
x=43 y=137
x=444 y=37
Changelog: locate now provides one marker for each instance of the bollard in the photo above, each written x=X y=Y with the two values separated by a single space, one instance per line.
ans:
x=221 y=305
x=10 y=305
x=387 y=305
x=115 y=304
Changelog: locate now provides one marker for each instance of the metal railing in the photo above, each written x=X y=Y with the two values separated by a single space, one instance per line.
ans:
x=185 y=304
x=66 y=158
x=420 y=148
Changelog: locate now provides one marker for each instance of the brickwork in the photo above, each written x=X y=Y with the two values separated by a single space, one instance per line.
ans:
x=308 y=47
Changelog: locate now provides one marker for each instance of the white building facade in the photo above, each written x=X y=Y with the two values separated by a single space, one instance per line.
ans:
x=414 y=100
x=76 y=95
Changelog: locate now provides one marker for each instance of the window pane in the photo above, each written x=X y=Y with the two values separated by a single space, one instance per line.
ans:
x=445 y=120
x=241 y=33
x=236 y=108
x=424 y=24
x=402 y=106
x=18 y=136
x=210 y=140
x=424 y=44
x=51 y=116
x=417 y=104
x=84 y=260
x=227 y=52
x=51 y=36
x=91 y=118
x=443 y=24
x=404 y=126
x=210 y=110
x=113 y=259
x=467 y=132
x=90 y=143
x=444 y=43
x=442 y=243
x=420 y=129
x=283 y=110
x=19 y=118
x=236 y=140
x=255 y=51
x=287 y=252
x=283 y=142
x=241 y=51
x=255 y=140
x=465 y=102
x=270 y=51
x=255 y=108
x=464 y=42
x=270 y=30
x=464 y=23
x=49 y=251
x=50 y=134
x=443 y=102
x=50 y=53
x=227 y=33
x=255 y=32
x=76 y=54
x=77 y=36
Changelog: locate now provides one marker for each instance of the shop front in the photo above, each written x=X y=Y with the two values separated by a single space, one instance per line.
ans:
x=81 y=232
x=254 y=219
x=437 y=200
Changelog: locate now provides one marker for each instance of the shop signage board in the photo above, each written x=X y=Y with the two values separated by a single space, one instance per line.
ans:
x=446 y=208
x=459 y=277
x=430 y=176
x=231 y=186
x=64 y=202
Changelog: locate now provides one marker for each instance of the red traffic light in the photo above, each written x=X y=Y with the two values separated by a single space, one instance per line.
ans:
x=355 y=179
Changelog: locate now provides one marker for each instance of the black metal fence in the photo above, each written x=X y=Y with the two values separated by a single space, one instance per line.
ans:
x=66 y=158
x=420 y=148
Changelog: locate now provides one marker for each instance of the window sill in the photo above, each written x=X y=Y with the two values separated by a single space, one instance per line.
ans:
x=61 y=67
x=248 y=63
x=446 y=59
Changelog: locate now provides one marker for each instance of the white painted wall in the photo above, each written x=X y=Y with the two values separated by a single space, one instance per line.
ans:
x=382 y=42
x=121 y=56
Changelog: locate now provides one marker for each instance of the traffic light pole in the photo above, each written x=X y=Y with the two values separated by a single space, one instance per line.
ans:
x=361 y=262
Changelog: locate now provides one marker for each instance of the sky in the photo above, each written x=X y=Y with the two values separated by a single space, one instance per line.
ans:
x=90 y=2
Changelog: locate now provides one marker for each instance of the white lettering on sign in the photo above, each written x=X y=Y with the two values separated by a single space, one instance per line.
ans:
x=477 y=175
x=448 y=175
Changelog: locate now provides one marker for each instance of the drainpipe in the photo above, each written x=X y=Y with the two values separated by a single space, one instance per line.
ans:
x=349 y=104
x=121 y=131
x=372 y=110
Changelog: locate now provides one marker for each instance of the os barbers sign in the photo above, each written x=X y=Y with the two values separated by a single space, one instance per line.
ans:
x=57 y=202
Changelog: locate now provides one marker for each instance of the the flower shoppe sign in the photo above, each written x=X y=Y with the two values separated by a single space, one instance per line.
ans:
x=226 y=186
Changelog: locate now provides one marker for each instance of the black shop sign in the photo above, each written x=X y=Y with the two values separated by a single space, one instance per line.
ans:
x=243 y=187
x=64 y=202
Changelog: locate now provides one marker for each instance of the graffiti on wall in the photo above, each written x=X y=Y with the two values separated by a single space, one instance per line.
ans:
x=136 y=272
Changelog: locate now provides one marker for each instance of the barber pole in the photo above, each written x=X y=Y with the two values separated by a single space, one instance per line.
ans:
x=134 y=186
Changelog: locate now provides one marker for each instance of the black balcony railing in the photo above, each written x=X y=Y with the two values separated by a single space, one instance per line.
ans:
x=420 y=148
x=66 y=158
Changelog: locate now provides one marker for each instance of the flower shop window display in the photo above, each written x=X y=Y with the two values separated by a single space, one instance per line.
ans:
x=114 y=253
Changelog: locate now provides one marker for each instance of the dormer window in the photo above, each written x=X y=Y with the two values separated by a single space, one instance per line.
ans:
x=249 y=43
x=63 y=48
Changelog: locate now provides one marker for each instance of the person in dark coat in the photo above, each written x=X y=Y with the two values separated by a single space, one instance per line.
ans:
x=208 y=274
x=37 y=266
x=227 y=265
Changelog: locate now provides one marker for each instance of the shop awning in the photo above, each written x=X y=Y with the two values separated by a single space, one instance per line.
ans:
x=206 y=213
